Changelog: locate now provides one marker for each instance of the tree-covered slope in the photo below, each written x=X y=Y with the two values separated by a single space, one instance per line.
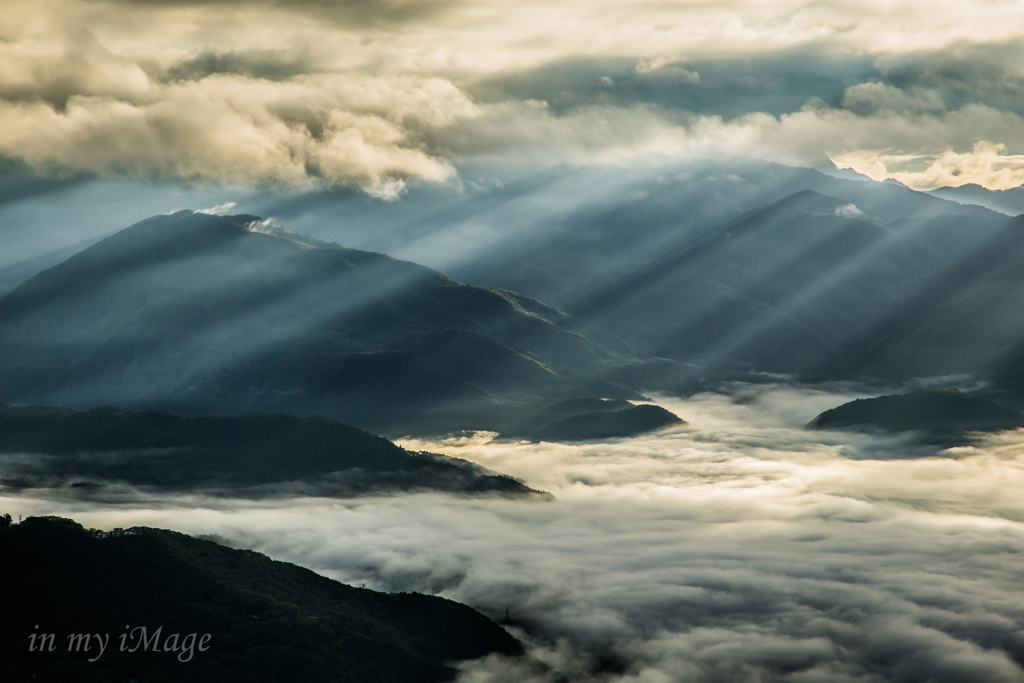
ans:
x=232 y=314
x=592 y=419
x=58 y=446
x=266 y=620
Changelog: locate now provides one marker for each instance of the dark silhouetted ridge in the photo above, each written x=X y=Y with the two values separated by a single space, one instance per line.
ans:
x=57 y=446
x=938 y=411
x=266 y=620
x=592 y=419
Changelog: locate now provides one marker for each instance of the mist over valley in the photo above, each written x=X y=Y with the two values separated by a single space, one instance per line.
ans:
x=740 y=546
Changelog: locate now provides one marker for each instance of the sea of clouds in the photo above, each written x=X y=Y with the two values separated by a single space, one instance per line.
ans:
x=737 y=548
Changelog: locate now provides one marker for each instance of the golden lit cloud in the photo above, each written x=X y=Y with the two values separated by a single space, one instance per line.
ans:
x=987 y=164
x=375 y=94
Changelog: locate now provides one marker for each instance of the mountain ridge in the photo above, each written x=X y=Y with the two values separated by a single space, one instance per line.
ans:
x=945 y=416
x=108 y=447
x=200 y=313
x=257 y=619
x=814 y=287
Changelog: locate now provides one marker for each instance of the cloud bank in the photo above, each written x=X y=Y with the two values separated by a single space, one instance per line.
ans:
x=739 y=548
x=376 y=95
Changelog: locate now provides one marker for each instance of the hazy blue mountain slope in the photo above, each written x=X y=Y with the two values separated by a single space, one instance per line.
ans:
x=559 y=235
x=266 y=620
x=52 y=446
x=962 y=318
x=230 y=314
x=812 y=285
x=1010 y=202
x=1008 y=373
x=717 y=270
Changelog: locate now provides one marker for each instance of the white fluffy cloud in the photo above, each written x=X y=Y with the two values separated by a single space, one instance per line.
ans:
x=739 y=548
x=237 y=128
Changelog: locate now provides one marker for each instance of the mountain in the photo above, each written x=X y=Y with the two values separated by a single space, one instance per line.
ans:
x=814 y=286
x=254 y=619
x=601 y=426
x=943 y=414
x=962 y=318
x=203 y=314
x=719 y=272
x=644 y=254
x=1010 y=202
x=1008 y=375
x=593 y=419
x=90 y=450
x=561 y=235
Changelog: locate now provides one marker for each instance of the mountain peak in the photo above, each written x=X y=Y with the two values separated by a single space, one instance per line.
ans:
x=200 y=313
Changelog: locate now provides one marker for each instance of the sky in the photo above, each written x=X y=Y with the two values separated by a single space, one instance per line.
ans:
x=739 y=548
x=378 y=95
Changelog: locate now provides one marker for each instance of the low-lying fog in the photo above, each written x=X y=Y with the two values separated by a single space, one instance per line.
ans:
x=739 y=548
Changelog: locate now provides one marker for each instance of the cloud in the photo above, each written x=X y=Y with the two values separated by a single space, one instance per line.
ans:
x=74 y=64
x=869 y=98
x=660 y=68
x=849 y=211
x=738 y=548
x=220 y=209
x=241 y=129
x=363 y=13
x=379 y=134
x=987 y=164
x=379 y=94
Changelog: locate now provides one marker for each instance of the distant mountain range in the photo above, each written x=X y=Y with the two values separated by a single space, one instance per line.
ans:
x=155 y=605
x=97 y=451
x=620 y=224
x=743 y=269
x=716 y=274
x=1010 y=202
